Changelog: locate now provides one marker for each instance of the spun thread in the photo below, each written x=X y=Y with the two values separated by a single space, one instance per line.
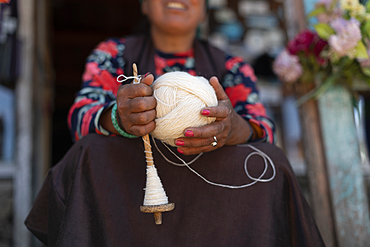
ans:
x=154 y=191
x=267 y=161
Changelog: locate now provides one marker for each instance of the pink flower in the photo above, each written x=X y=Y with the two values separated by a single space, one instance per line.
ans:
x=308 y=42
x=301 y=42
x=319 y=47
x=347 y=36
x=287 y=67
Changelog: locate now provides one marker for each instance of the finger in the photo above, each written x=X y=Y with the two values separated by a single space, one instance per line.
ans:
x=131 y=91
x=142 y=130
x=147 y=79
x=142 y=118
x=206 y=131
x=194 y=142
x=220 y=93
x=220 y=111
x=141 y=104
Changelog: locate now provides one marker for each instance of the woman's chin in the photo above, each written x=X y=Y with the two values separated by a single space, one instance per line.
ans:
x=177 y=28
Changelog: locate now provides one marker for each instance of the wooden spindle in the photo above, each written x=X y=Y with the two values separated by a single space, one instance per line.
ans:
x=156 y=209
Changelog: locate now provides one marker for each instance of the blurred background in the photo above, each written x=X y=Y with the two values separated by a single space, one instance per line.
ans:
x=43 y=47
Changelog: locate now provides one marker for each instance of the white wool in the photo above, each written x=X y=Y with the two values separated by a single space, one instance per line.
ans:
x=154 y=192
x=180 y=98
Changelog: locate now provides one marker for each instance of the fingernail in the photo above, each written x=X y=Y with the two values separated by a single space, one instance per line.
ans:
x=179 y=143
x=146 y=74
x=205 y=112
x=180 y=151
x=189 y=133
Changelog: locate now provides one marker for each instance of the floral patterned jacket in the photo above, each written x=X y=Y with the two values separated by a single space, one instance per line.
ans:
x=106 y=62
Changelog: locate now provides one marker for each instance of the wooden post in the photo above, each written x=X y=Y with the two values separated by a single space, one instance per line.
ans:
x=295 y=17
x=350 y=206
x=25 y=118
x=315 y=161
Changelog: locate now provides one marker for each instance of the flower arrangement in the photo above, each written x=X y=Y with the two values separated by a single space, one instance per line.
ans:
x=337 y=50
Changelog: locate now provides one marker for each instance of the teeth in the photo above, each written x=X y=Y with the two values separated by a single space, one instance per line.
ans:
x=175 y=5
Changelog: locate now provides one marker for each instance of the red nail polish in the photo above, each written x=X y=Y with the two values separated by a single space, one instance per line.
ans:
x=189 y=133
x=146 y=74
x=180 y=151
x=179 y=143
x=206 y=112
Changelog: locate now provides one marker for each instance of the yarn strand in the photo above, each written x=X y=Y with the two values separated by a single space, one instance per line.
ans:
x=125 y=78
x=267 y=161
x=170 y=161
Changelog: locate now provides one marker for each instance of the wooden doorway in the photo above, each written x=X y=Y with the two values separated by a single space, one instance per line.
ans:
x=78 y=26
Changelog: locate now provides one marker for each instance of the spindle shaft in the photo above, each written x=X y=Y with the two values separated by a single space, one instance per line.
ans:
x=156 y=209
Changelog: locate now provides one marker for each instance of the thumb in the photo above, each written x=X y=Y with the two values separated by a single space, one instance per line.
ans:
x=220 y=93
x=148 y=79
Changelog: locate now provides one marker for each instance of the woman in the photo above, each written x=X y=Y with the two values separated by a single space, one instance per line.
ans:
x=92 y=197
x=173 y=30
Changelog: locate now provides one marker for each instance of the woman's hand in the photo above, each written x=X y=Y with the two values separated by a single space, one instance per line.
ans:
x=229 y=127
x=135 y=108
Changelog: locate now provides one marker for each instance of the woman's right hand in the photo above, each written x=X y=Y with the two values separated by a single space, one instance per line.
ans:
x=136 y=107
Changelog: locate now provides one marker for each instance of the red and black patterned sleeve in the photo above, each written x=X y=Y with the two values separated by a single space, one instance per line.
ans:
x=99 y=88
x=240 y=85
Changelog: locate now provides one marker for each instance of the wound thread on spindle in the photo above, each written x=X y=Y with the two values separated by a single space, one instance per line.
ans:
x=154 y=191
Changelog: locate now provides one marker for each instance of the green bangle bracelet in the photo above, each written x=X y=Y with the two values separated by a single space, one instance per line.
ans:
x=115 y=123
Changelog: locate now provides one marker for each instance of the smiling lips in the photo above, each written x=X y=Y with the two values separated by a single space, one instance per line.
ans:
x=176 y=5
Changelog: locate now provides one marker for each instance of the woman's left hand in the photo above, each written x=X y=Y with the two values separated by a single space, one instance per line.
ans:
x=228 y=129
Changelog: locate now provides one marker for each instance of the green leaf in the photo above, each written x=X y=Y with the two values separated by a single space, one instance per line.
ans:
x=366 y=71
x=361 y=51
x=325 y=86
x=317 y=92
x=305 y=98
x=324 y=30
x=366 y=28
x=317 y=11
x=368 y=6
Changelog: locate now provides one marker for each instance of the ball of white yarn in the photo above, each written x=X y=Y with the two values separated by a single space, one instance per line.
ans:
x=180 y=98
